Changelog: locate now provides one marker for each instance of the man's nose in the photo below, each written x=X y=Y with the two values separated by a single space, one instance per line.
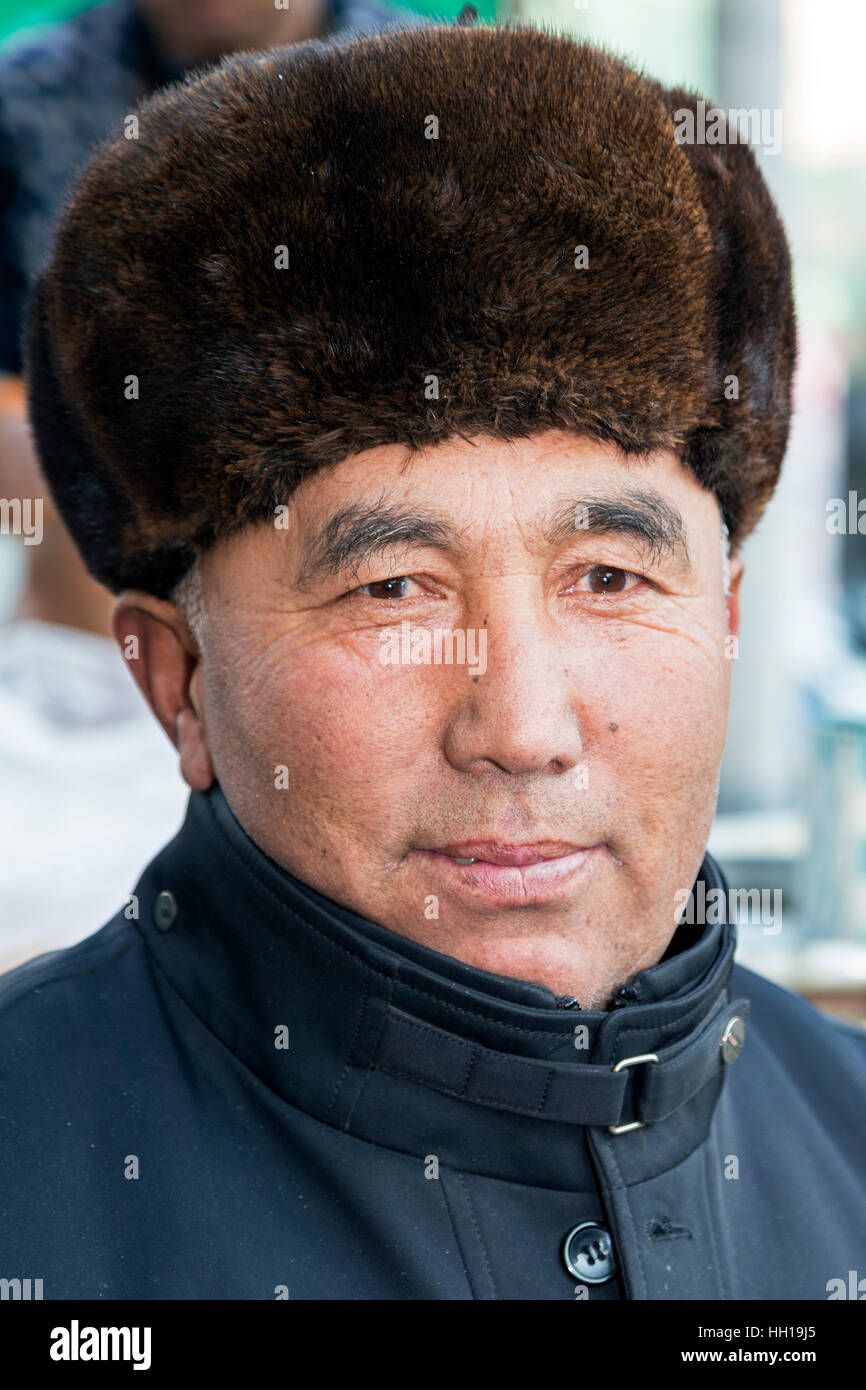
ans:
x=521 y=715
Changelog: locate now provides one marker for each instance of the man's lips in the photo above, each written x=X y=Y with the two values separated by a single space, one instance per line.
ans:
x=494 y=874
x=497 y=852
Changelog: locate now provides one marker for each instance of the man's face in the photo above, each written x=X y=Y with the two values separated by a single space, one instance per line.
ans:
x=584 y=728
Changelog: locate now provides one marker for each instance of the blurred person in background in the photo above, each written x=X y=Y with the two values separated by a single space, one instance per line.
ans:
x=74 y=734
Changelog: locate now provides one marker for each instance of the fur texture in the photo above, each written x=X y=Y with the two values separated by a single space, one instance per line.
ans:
x=409 y=257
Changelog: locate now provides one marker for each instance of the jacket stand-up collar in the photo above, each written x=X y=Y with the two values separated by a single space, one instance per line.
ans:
x=409 y=1049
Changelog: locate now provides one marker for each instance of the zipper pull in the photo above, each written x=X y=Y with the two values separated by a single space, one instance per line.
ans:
x=566 y=1001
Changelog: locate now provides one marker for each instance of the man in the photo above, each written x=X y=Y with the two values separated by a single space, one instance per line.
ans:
x=384 y=383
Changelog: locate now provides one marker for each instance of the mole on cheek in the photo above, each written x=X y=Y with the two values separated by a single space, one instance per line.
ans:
x=613 y=726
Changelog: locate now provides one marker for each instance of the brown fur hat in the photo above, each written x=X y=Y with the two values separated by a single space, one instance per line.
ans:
x=410 y=257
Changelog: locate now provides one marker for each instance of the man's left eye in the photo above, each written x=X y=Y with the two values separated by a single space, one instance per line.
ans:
x=388 y=588
x=607 y=579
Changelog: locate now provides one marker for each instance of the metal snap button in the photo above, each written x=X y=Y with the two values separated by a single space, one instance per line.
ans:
x=164 y=910
x=588 y=1253
x=732 y=1038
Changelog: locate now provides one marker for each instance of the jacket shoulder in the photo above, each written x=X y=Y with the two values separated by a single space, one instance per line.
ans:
x=824 y=1057
x=776 y=1002
x=76 y=972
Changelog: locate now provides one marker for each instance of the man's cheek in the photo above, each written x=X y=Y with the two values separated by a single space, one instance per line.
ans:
x=344 y=725
x=670 y=713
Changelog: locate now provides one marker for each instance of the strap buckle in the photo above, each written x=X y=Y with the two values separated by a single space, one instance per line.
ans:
x=631 y=1062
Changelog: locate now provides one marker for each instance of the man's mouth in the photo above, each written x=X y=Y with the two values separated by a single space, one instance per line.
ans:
x=495 y=852
x=499 y=874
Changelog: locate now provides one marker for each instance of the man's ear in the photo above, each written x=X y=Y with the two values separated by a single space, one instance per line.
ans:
x=733 y=598
x=154 y=637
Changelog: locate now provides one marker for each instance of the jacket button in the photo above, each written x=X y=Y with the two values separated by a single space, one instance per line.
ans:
x=164 y=910
x=732 y=1038
x=588 y=1253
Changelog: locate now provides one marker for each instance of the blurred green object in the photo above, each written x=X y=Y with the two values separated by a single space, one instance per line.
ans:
x=15 y=15
x=450 y=9
x=25 y=14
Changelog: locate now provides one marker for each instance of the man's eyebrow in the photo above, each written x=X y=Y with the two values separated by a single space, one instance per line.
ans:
x=358 y=533
x=644 y=515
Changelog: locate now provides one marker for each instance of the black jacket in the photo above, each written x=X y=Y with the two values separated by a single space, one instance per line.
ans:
x=250 y=1092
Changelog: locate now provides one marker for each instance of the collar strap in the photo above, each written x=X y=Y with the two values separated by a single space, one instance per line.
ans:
x=581 y=1093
